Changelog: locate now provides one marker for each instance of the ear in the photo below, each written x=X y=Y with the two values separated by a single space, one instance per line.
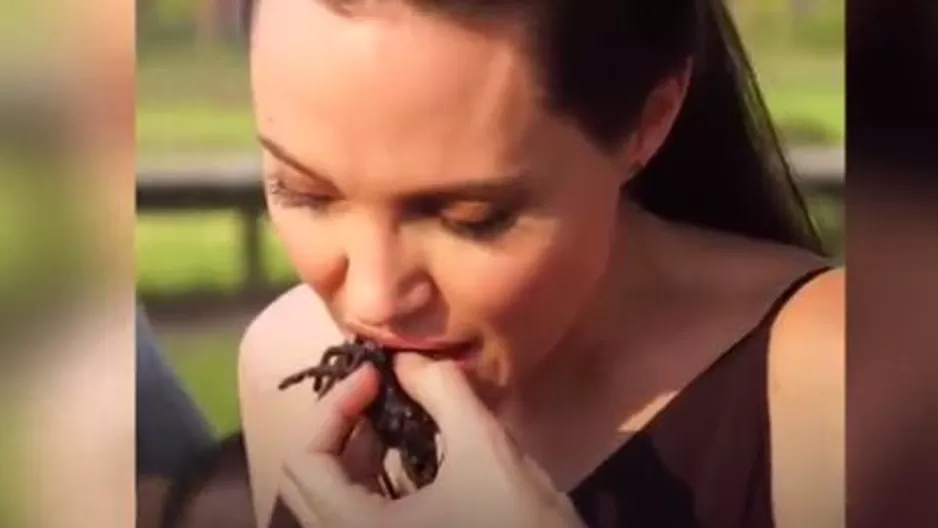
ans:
x=655 y=121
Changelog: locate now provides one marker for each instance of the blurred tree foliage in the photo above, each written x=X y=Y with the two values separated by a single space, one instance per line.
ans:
x=173 y=24
x=821 y=26
x=813 y=24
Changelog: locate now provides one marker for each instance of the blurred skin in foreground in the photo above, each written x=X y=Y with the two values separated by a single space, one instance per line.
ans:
x=73 y=401
x=892 y=429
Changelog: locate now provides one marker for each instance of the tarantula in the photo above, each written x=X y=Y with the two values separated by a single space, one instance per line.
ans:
x=399 y=422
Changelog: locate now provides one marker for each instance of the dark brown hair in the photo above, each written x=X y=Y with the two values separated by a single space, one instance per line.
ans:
x=722 y=166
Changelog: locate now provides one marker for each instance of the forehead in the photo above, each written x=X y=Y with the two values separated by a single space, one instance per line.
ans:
x=392 y=86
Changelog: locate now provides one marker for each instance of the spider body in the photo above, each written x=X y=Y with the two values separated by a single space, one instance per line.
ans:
x=398 y=421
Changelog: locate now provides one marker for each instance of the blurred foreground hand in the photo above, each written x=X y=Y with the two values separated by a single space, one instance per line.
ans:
x=66 y=276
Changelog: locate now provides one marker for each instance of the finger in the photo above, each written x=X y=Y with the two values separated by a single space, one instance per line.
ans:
x=295 y=503
x=541 y=480
x=543 y=484
x=442 y=389
x=339 y=410
x=317 y=486
x=363 y=456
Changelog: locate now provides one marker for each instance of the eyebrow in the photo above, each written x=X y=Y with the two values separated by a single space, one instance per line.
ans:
x=512 y=186
x=289 y=160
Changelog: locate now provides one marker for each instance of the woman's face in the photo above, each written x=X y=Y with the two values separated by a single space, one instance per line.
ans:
x=421 y=188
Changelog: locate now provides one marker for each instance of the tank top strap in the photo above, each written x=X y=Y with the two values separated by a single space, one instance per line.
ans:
x=793 y=288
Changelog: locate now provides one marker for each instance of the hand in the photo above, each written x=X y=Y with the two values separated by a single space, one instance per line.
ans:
x=484 y=479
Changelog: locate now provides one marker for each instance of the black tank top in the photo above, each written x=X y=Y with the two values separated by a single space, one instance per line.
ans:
x=702 y=462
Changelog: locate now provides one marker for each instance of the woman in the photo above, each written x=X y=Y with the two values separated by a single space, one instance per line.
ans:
x=577 y=215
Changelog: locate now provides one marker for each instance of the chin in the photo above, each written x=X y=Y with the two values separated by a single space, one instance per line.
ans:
x=490 y=378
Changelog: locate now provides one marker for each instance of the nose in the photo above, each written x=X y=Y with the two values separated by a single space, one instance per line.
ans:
x=384 y=283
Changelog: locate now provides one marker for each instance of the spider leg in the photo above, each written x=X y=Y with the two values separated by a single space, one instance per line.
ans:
x=293 y=379
x=331 y=356
x=332 y=353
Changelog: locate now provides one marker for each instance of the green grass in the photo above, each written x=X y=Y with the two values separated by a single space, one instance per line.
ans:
x=206 y=364
x=193 y=127
x=186 y=251
x=181 y=252
x=193 y=102
x=218 y=76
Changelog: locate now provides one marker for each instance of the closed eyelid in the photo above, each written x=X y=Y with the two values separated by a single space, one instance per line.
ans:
x=514 y=188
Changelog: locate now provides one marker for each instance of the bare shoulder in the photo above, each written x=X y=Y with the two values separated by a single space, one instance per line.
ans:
x=288 y=336
x=807 y=404
x=808 y=333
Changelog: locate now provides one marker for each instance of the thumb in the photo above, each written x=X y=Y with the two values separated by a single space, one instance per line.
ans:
x=440 y=387
x=339 y=410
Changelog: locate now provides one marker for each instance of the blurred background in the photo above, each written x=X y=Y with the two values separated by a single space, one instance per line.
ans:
x=206 y=260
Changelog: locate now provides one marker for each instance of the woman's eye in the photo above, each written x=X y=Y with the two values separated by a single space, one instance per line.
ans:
x=477 y=220
x=287 y=197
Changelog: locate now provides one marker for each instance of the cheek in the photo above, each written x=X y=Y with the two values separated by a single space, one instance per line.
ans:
x=529 y=293
x=314 y=250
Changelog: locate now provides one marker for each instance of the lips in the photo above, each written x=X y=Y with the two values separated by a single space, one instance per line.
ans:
x=434 y=349
x=457 y=353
